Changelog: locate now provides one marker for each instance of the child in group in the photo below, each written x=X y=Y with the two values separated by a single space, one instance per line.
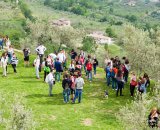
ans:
x=66 y=88
x=14 y=62
x=72 y=88
x=133 y=83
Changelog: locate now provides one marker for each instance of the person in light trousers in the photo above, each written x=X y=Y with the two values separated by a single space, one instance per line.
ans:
x=37 y=64
x=51 y=81
x=4 y=61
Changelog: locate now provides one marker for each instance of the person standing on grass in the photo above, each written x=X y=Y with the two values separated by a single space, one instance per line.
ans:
x=40 y=51
x=114 y=71
x=46 y=68
x=1 y=43
x=73 y=54
x=66 y=88
x=37 y=65
x=126 y=70
x=51 y=81
x=133 y=83
x=79 y=83
x=10 y=53
x=120 y=82
x=26 y=52
x=14 y=62
x=72 y=88
x=89 y=70
x=4 y=61
x=72 y=67
x=58 y=67
x=95 y=64
x=8 y=42
x=108 y=73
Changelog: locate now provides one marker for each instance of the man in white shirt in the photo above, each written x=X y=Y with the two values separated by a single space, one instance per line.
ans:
x=37 y=65
x=50 y=80
x=40 y=51
x=61 y=56
x=79 y=82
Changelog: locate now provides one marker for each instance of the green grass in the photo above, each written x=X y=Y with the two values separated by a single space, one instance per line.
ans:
x=68 y=116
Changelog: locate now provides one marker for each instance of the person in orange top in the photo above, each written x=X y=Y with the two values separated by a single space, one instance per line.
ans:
x=114 y=71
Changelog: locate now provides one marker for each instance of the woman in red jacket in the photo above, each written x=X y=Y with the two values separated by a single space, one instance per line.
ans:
x=89 y=70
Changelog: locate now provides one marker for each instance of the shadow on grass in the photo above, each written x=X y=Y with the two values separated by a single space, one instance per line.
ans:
x=56 y=99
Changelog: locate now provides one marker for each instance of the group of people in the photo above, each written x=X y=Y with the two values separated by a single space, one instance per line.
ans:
x=117 y=73
x=55 y=66
x=4 y=40
x=8 y=57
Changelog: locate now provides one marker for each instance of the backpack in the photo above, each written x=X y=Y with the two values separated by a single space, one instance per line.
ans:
x=66 y=85
x=112 y=74
x=47 y=69
x=89 y=67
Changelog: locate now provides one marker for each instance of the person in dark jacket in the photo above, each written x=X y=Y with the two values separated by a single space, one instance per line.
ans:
x=58 y=67
x=66 y=83
x=73 y=54
x=95 y=64
x=26 y=52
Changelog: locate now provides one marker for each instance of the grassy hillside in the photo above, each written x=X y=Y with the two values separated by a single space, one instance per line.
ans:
x=51 y=113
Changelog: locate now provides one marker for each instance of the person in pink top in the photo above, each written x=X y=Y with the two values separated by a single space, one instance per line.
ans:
x=133 y=83
x=72 y=89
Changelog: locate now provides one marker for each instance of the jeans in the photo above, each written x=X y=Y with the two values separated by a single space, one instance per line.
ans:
x=58 y=74
x=66 y=93
x=108 y=80
x=89 y=75
x=126 y=77
x=120 y=86
x=95 y=69
x=14 y=68
x=78 y=95
x=9 y=57
x=114 y=83
x=37 y=71
x=50 y=88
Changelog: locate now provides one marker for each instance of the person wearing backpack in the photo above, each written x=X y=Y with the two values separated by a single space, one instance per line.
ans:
x=126 y=69
x=79 y=82
x=46 y=71
x=37 y=64
x=51 y=81
x=133 y=83
x=66 y=88
x=72 y=87
x=89 y=70
x=114 y=71
x=108 y=73
x=14 y=62
x=95 y=64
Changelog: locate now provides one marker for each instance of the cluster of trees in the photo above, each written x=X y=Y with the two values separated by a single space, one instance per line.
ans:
x=142 y=48
x=76 y=6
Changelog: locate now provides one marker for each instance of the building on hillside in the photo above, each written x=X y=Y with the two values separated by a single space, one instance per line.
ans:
x=100 y=38
x=130 y=3
x=61 y=23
